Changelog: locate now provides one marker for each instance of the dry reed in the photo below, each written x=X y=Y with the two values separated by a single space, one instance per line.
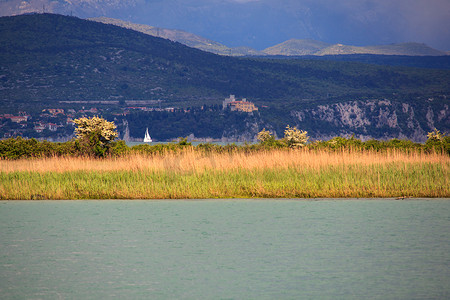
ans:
x=193 y=161
x=195 y=174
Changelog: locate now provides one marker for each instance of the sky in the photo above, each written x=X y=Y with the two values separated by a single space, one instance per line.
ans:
x=263 y=23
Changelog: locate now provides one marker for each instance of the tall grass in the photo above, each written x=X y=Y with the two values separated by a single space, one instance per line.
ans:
x=193 y=174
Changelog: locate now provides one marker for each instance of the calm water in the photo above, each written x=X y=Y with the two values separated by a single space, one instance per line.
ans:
x=225 y=249
x=131 y=144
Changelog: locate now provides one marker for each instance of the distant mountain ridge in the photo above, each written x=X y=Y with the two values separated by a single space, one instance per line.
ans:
x=296 y=47
x=292 y=47
x=183 y=37
x=264 y=23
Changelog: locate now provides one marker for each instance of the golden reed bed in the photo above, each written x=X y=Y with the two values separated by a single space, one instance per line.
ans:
x=193 y=161
x=192 y=174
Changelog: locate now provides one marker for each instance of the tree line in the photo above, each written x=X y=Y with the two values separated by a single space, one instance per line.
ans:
x=96 y=137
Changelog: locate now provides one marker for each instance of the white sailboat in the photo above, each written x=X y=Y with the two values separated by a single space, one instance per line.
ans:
x=147 y=138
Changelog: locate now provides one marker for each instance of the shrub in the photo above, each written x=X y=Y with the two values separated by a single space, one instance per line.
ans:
x=295 y=138
x=264 y=135
x=435 y=136
x=94 y=136
x=119 y=148
x=438 y=141
x=16 y=148
x=267 y=140
x=183 y=142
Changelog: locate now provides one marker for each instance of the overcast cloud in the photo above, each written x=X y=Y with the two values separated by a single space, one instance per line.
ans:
x=263 y=23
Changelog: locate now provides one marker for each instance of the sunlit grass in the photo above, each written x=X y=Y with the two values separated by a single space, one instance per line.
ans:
x=192 y=174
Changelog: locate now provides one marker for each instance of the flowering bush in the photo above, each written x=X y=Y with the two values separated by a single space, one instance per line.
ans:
x=438 y=141
x=94 y=135
x=264 y=135
x=435 y=135
x=295 y=138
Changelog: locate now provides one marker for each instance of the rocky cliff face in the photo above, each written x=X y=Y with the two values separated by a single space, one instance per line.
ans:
x=365 y=119
x=380 y=119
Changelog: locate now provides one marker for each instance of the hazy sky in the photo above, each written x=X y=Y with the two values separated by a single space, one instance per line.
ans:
x=263 y=23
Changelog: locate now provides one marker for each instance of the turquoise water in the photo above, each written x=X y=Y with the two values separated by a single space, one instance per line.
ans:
x=225 y=249
x=131 y=144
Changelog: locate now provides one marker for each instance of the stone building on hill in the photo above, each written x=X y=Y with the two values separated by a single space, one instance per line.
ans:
x=236 y=105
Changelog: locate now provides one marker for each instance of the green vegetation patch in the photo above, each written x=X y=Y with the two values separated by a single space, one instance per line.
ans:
x=350 y=181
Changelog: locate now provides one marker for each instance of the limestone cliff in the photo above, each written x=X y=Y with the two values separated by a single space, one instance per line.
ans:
x=380 y=119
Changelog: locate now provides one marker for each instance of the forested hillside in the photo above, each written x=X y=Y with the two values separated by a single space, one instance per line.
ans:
x=54 y=57
x=46 y=59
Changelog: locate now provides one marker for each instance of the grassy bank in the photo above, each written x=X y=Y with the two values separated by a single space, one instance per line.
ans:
x=191 y=174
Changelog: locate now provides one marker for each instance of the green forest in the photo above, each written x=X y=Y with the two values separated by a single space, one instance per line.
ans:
x=49 y=57
x=56 y=61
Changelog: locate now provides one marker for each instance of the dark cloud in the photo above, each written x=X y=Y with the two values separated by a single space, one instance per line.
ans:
x=387 y=21
x=263 y=23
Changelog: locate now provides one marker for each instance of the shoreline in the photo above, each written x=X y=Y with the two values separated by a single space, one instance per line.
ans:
x=390 y=199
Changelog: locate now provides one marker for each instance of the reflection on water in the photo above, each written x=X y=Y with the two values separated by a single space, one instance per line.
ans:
x=233 y=249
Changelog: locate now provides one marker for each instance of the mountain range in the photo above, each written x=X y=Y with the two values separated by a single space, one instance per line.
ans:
x=293 y=47
x=50 y=61
x=183 y=37
x=259 y=24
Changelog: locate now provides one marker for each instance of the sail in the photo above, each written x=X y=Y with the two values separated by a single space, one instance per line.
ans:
x=147 y=138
